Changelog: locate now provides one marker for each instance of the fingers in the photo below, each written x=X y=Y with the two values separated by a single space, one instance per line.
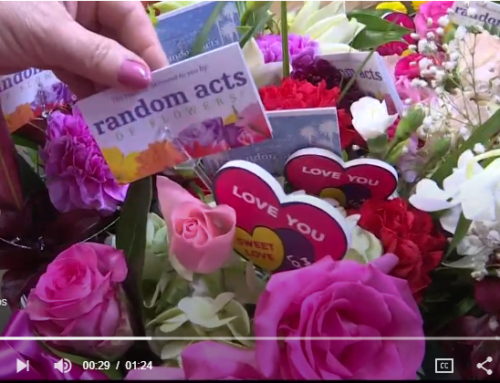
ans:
x=97 y=58
x=130 y=26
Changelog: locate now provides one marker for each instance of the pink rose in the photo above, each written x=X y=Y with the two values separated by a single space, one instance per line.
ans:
x=80 y=295
x=408 y=66
x=206 y=361
x=200 y=237
x=432 y=10
x=339 y=299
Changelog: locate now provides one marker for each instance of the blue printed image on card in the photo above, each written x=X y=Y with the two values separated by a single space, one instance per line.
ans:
x=292 y=130
x=178 y=30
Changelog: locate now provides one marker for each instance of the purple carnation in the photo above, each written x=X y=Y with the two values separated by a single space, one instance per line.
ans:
x=302 y=48
x=321 y=70
x=78 y=176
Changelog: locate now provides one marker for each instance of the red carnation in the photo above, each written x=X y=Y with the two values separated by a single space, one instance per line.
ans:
x=408 y=233
x=295 y=94
x=301 y=94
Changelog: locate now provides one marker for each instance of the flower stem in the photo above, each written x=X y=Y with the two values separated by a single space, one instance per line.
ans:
x=284 y=40
x=355 y=76
x=245 y=17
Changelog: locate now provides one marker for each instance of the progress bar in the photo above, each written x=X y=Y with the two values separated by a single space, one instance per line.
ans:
x=288 y=338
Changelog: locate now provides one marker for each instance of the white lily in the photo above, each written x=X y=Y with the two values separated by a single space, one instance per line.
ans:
x=329 y=26
x=262 y=73
x=470 y=190
x=480 y=194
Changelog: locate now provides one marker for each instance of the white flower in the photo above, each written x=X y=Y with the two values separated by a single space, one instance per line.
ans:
x=329 y=26
x=263 y=74
x=365 y=247
x=370 y=117
x=478 y=245
x=480 y=194
x=470 y=190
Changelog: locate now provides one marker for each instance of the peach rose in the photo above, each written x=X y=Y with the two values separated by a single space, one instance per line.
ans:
x=200 y=237
x=480 y=54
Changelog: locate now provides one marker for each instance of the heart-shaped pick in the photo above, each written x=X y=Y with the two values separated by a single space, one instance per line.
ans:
x=322 y=173
x=276 y=231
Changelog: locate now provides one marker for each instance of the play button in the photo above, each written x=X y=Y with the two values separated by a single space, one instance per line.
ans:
x=20 y=365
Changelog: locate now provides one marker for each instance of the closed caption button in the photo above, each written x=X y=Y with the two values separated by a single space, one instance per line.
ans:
x=444 y=366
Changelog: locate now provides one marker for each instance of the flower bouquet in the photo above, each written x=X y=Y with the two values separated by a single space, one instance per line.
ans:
x=366 y=224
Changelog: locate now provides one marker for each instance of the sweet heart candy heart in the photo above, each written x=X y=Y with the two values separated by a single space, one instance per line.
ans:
x=276 y=231
x=320 y=172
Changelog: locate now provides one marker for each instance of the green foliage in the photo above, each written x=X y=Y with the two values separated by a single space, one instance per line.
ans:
x=201 y=39
x=284 y=39
x=492 y=29
x=152 y=14
x=460 y=232
x=377 y=31
x=254 y=20
x=482 y=134
x=131 y=238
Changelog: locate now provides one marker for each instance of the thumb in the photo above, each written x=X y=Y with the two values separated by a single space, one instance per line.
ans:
x=97 y=58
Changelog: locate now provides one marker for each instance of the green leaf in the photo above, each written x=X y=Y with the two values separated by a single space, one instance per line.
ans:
x=131 y=238
x=377 y=31
x=152 y=14
x=492 y=29
x=370 y=12
x=378 y=145
x=241 y=6
x=459 y=310
x=243 y=29
x=460 y=232
x=262 y=17
x=481 y=134
x=30 y=180
x=201 y=39
x=22 y=141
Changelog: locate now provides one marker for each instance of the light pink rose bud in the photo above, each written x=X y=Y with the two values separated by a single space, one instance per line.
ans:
x=200 y=237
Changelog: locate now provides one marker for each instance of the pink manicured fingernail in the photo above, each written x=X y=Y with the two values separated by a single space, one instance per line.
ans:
x=133 y=74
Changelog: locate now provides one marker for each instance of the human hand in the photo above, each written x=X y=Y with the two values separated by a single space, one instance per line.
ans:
x=88 y=45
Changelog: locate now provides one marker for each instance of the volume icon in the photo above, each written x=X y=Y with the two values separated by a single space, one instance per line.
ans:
x=64 y=365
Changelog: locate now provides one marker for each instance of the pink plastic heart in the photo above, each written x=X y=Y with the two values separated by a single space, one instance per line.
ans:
x=321 y=173
x=259 y=201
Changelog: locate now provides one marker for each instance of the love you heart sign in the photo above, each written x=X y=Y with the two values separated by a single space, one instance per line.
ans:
x=275 y=231
x=322 y=173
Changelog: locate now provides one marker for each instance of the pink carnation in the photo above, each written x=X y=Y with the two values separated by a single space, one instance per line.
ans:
x=398 y=47
x=429 y=13
x=78 y=176
x=408 y=66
